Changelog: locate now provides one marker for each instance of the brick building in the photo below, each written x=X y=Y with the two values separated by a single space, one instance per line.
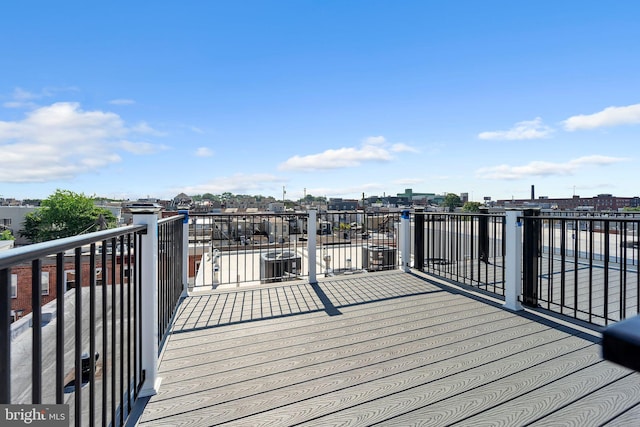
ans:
x=601 y=202
x=22 y=288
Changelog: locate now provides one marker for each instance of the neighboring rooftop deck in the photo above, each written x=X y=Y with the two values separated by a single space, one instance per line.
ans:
x=391 y=348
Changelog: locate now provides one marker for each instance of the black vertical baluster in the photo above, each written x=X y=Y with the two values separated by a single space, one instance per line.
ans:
x=606 y=272
x=92 y=334
x=530 y=260
x=590 y=269
x=136 y=281
x=418 y=257
x=636 y=242
x=576 y=254
x=60 y=321
x=120 y=246
x=129 y=269
x=78 y=337
x=563 y=268
x=105 y=326
x=36 y=337
x=114 y=322
x=5 y=336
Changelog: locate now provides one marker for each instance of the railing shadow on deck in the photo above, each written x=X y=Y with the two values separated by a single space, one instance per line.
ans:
x=224 y=308
x=540 y=314
x=234 y=307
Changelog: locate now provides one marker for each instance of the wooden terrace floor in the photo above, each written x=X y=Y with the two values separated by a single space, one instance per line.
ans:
x=390 y=348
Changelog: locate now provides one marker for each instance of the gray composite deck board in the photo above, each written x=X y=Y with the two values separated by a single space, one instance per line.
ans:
x=394 y=349
x=627 y=418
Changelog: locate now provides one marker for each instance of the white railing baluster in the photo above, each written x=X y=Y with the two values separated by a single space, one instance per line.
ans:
x=513 y=259
x=149 y=323
x=311 y=245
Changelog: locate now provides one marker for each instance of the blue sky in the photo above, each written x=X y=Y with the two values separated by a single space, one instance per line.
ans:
x=335 y=98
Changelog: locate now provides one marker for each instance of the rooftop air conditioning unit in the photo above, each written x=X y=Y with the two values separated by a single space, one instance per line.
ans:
x=276 y=266
x=378 y=257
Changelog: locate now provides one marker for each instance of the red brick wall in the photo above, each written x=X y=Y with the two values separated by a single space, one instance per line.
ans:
x=23 y=273
x=23 y=300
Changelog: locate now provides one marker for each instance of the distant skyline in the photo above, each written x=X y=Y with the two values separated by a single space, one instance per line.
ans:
x=129 y=100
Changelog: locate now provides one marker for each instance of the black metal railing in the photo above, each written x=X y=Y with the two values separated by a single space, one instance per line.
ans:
x=170 y=271
x=586 y=267
x=583 y=266
x=351 y=242
x=88 y=360
x=230 y=249
x=91 y=288
x=237 y=248
x=466 y=248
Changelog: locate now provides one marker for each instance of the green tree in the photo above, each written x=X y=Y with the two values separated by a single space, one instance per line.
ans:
x=6 y=235
x=452 y=201
x=309 y=198
x=65 y=214
x=471 y=207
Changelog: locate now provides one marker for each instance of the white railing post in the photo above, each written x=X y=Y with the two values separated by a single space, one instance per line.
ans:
x=185 y=252
x=311 y=245
x=513 y=260
x=405 y=242
x=148 y=215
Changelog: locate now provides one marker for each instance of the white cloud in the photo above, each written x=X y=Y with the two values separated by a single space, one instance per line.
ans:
x=122 y=101
x=20 y=94
x=374 y=140
x=539 y=168
x=403 y=148
x=531 y=129
x=408 y=181
x=597 y=160
x=18 y=104
x=24 y=99
x=237 y=184
x=373 y=149
x=611 y=116
x=61 y=141
x=349 y=191
x=21 y=99
x=142 y=147
x=204 y=152
x=144 y=128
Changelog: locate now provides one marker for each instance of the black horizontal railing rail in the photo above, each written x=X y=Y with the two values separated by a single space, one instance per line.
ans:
x=87 y=286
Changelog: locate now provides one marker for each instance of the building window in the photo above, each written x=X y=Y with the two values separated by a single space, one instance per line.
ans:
x=69 y=279
x=44 y=279
x=14 y=286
